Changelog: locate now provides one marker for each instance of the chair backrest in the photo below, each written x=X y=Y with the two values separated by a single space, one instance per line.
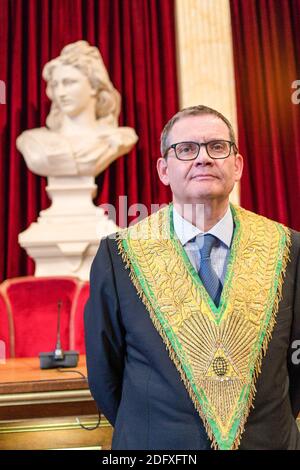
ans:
x=77 y=320
x=6 y=327
x=30 y=322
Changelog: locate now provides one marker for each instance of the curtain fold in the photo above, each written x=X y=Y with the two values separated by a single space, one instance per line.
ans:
x=266 y=45
x=137 y=41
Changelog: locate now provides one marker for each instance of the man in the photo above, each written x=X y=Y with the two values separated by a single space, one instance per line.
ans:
x=194 y=311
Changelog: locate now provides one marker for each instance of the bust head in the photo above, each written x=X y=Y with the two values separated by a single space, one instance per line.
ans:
x=81 y=68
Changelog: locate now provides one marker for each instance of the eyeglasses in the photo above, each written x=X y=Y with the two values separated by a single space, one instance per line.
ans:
x=215 y=149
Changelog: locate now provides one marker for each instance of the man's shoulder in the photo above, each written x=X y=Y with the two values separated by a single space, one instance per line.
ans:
x=255 y=215
x=294 y=234
x=152 y=224
x=295 y=238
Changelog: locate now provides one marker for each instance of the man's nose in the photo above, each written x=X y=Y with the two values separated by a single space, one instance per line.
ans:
x=203 y=158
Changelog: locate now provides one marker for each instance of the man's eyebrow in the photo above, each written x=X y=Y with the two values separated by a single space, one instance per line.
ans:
x=208 y=139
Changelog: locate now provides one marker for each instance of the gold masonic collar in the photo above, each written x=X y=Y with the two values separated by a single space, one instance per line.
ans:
x=217 y=351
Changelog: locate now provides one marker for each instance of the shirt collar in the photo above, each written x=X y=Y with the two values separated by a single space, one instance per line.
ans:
x=185 y=231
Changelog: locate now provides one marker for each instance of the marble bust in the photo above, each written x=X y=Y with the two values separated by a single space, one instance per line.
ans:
x=82 y=136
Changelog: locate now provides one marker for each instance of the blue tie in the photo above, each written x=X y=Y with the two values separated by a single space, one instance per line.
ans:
x=206 y=272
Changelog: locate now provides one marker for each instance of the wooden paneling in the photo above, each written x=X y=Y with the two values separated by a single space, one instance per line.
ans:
x=39 y=408
x=63 y=433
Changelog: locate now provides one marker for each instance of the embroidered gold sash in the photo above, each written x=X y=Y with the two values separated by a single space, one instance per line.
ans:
x=217 y=351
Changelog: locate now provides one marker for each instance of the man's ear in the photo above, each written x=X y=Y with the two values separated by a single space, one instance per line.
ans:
x=238 y=166
x=162 y=170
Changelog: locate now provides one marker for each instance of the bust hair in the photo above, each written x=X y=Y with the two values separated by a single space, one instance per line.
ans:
x=88 y=60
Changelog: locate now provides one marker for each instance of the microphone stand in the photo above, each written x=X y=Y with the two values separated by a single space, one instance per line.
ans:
x=58 y=358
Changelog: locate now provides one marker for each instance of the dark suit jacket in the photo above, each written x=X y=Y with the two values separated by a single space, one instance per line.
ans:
x=138 y=388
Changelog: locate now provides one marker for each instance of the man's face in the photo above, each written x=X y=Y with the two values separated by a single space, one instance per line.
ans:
x=203 y=179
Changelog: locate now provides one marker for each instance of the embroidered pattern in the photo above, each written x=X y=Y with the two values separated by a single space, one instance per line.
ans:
x=217 y=351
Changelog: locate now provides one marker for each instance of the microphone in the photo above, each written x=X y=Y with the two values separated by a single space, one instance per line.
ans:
x=58 y=358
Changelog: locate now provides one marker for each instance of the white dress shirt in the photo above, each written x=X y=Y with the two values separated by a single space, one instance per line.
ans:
x=191 y=238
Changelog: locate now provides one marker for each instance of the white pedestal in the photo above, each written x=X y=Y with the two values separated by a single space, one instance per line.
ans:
x=66 y=236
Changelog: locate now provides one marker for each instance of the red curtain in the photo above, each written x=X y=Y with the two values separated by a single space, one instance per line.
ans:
x=137 y=41
x=266 y=45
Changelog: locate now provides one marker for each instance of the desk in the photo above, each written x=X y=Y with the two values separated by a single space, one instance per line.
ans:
x=38 y=408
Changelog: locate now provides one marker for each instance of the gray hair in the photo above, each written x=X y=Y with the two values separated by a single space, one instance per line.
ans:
x=192 y=111
x=88 y=60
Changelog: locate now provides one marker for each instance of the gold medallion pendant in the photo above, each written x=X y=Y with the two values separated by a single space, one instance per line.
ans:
x=216 y=350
